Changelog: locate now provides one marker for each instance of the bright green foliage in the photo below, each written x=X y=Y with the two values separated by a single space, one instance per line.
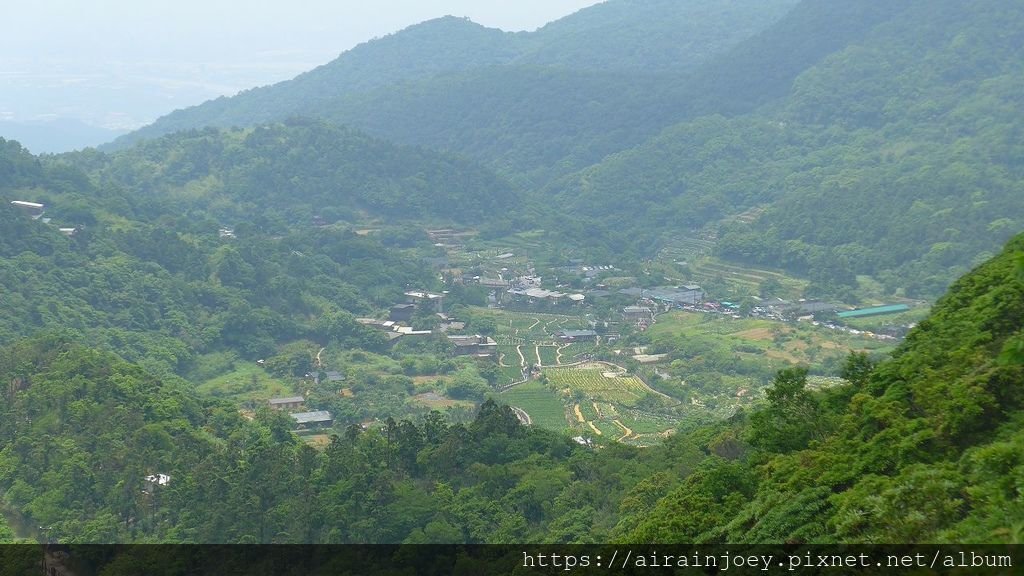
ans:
x=792 y=417
x=924 y=447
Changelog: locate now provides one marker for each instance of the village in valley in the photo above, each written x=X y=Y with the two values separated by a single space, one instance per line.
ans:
x=573 y=345
x=605 y=352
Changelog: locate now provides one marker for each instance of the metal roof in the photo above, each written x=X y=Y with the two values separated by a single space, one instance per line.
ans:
x=875 y=310
x=312 y=417
x=577 y=333
x=288 y=400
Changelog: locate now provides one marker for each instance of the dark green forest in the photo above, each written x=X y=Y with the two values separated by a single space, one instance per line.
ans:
x=243 y=248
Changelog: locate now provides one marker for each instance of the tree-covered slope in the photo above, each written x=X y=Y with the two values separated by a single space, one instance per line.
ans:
x=648 y=35
x=148 y=274
x=914 y=165
x=297 y=170
x=82 y=429
x=436 y=46
x=895 y=157
x=626 y=37
x=925 y=447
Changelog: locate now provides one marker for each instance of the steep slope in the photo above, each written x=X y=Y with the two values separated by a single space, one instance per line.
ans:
x=925 y=447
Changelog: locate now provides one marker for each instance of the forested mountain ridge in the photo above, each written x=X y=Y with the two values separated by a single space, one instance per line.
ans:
x=626 y=39
x=924 y=447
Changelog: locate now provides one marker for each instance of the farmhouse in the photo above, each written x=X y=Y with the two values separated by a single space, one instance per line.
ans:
x=334 y=376
x=636 y=313
x=538 y=294
x=288 y=403
x=494 y=283
x=311 y=420
x=577 y=335
x=476 y=345
x=153 y=481
x=402 y=312
x=34 y=209
x=422 y=296
x=685 y=295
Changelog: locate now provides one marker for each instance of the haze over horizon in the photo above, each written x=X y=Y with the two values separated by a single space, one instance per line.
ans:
x=116 y=65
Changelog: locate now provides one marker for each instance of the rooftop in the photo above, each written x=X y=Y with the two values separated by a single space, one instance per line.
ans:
x=577 y=333
x=312 y=417
x=875 y=310
x=288 y=400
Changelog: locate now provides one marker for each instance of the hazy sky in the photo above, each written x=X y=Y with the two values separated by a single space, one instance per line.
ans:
x=69 y=58
x=214 y=28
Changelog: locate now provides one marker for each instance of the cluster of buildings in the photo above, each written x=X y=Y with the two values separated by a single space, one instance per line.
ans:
x=303 y=420
x=401 y=316
x=526 y=289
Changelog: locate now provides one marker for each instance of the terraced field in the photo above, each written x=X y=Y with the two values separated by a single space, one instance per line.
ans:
x=598 y=381
x=685 y=249
x=544 y=406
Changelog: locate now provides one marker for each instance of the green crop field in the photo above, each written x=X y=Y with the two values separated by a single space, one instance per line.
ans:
x=547 y=355
x=597 y=381
x=780 y=343
x=543 y=405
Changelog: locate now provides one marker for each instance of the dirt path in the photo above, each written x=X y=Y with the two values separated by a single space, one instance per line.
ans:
x=558 y=353
x=626 y=431
x=522 y=359
x=536 y=350
x=319 y=364
x=522 y=415
x=501 y=359
x=535 y=322
x=597 y=410
x=579 y=413
x=595 y=429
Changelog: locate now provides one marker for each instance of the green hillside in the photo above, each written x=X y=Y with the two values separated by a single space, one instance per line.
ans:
x=893 y=157
x=925 y=447
x=297 y=170
x=150 y=273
